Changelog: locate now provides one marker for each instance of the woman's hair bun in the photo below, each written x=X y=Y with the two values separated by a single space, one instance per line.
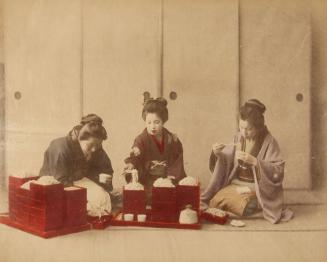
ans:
x=162 y=101
x=147 y=100
x=91 y=118
x=255 y=103
x=158 y=106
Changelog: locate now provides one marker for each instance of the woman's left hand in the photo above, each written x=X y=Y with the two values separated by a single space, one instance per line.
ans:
x=246 y=157
x=105 y=179
x=108 y=180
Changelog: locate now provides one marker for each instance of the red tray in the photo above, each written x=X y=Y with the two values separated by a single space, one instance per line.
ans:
x=4 y=219
x=214 y=219
x=118 y=221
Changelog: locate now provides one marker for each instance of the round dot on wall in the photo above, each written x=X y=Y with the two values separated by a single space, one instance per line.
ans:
x=173 y=95
x=18 y=95
x=299 y=97
x=146 y=95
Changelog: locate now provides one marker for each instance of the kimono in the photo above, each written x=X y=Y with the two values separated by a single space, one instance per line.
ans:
x=65 y=161
x=268 y=177
x=168 y=151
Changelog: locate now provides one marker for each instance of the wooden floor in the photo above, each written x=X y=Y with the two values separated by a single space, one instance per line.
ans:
x=302 y=239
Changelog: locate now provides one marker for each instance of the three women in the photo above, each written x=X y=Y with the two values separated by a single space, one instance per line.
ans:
x=247 y=174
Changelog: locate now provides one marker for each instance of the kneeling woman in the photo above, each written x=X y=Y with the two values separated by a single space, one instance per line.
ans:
x=156 y=152
x=79 y=159
x=247 y=174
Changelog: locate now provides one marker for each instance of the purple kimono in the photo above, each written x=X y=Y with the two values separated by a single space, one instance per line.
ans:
x=268 y=177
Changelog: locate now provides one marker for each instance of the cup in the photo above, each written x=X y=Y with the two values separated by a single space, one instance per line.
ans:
x=103 y=178
x=141 y=218
x=128 y=217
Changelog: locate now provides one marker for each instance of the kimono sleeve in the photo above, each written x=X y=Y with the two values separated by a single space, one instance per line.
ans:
x=176 y=165
x=101 y=164
x=56 y=164
x=227 y=155
x=271 y=167
x=137 y=160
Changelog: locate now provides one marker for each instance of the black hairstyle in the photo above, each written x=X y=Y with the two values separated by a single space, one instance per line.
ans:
x=157 y=106
x=253 y=112
x=91 y=126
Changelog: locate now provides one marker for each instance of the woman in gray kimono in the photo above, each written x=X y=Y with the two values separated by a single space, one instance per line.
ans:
x=79 y=160
x=247 y=174
x=79 y=154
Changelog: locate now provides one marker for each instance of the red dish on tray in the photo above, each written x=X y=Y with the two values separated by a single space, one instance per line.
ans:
x=215 y=219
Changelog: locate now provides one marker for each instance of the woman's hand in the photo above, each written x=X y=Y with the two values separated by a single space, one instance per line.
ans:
x=127 y=174
x=108 y=181
x=105 y=179
x=217 y=147
x=246 y=158
x=135 y=151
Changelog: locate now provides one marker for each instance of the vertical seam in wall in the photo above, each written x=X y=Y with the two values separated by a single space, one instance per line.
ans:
x=161 y=48
x=3 y=175
x=81 y=58
x=3 y=129
x=239 y=48
x=311 y=182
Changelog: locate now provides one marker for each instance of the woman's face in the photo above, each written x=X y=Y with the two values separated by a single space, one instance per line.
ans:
x=154 y=124
x=89 y=146
x=247 y=130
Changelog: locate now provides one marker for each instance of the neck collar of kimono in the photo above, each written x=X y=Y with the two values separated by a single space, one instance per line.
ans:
x=259 y=138
x=160 y=144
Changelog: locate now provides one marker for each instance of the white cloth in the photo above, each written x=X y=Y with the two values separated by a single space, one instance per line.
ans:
x=47 y=180
x=188 y=181
x=163 y=182
x=98 y=200
x=43 y=180
x=27 y=184
x=134 y=186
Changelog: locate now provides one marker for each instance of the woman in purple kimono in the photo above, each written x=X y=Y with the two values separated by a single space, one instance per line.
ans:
x=247 y=174
x=156 y=152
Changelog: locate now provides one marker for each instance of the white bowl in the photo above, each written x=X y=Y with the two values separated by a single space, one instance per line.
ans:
x=128 y=217
x=141 y=218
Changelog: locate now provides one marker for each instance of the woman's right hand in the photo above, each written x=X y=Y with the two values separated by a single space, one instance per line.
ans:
x=217 y=147
x=128 y=175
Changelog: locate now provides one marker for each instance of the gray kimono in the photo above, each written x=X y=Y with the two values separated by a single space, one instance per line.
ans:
x=268 y=176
